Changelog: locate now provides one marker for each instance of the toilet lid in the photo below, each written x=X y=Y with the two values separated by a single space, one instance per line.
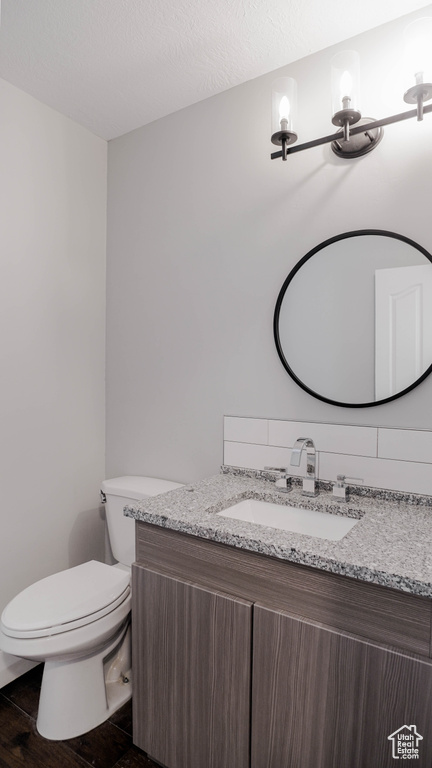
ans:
x=72 y=596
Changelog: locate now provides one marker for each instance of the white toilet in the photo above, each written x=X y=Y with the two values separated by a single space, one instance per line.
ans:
x=78 y=622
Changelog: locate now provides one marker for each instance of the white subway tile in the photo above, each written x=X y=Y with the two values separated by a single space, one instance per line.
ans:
x=395 y=459
x=242 y=430
x=252 y=456
x=405 y=444
x=411 y=477
x=332 y=438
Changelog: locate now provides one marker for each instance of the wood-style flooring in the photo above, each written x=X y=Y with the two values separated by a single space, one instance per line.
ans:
x=108 y=746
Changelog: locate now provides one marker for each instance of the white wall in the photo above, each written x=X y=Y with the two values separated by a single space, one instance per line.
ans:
x=204 y=228
x=52 y=342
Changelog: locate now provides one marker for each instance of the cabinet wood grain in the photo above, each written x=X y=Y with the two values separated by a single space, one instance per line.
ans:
x=191 y=673
x=368 y=610
x=323 y=699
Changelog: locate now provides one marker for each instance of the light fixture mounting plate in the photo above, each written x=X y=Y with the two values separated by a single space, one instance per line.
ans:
x=359 y=143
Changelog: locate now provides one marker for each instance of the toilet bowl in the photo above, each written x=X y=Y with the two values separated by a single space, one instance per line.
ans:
x=77 y=621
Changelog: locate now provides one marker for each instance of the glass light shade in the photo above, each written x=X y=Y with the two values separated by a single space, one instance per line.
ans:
x=345 y=81
x=284 y=105
x=418 y=51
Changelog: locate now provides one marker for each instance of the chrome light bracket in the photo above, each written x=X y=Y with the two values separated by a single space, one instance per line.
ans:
x=418 y=94
x=346 y=118
x=350 y=116
x=359 y=143
x=284 y=138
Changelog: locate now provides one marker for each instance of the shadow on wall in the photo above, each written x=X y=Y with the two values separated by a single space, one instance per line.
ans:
x=88 y=538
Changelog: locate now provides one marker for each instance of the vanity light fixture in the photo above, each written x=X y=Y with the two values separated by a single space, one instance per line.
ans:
x=357 y=136
x=418 y=60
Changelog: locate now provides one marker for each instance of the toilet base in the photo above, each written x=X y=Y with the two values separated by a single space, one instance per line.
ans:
x=79 y=695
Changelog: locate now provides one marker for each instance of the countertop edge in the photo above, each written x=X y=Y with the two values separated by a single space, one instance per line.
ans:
x=191 y=510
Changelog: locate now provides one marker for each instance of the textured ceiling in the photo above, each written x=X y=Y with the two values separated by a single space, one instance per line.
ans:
x=114 y=65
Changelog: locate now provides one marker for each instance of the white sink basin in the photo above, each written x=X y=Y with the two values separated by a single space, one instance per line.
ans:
x=307 y=521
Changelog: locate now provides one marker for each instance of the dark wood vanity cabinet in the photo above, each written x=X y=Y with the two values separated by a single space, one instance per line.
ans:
x=192 y=657
x=324 y=699
x=244 y=661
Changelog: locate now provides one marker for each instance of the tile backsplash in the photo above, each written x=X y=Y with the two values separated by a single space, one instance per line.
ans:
x=394 y=459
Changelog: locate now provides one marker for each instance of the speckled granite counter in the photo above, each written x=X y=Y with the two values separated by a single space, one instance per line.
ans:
x=390 y=545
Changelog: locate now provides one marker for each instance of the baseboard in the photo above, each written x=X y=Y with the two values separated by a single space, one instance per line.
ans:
x=12 y=667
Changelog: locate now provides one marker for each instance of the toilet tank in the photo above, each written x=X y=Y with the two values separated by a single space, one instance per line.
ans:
x=119 y=492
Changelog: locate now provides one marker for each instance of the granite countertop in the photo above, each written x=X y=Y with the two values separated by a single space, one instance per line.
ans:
x=390 y=544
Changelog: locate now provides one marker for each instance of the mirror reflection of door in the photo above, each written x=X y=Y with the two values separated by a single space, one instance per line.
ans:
x=403 y=321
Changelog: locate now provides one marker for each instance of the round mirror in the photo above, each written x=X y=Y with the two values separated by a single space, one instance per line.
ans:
x=353 y=320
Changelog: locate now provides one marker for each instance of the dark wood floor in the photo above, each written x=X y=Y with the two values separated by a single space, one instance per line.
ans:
x=108 y=746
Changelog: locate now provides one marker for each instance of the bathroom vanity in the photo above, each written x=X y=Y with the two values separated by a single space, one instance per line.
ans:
x=260 y=648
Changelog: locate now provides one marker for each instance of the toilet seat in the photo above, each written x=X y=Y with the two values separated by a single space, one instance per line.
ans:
x=66 y=600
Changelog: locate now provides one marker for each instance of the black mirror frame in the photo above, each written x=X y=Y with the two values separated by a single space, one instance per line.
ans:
x=321 y=246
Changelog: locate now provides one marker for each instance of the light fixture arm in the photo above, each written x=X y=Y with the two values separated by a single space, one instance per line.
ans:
x=357 y=129
x=420 y=105
x=346 y=130
x=418 y=94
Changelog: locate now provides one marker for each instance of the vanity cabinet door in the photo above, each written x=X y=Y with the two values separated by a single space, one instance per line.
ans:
x=324 y=699
x=191 y=673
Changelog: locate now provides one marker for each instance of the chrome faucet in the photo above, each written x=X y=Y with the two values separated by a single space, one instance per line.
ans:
x=340 y=487
x=309 y=481
x=282 y=482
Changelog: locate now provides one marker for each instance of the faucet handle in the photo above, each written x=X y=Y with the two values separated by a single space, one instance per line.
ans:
x=340 y=487
x=344 y=478
x=282 y=470
x=283 y=483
